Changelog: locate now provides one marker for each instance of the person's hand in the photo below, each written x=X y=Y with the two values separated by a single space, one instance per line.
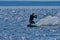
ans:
x=35 y=16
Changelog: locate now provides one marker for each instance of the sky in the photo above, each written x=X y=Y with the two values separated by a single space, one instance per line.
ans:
x=29 y=0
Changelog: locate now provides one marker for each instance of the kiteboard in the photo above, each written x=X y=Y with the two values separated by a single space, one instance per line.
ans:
x=32 y=25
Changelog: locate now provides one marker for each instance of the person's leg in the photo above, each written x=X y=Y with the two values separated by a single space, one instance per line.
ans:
x=33 y=22
x=30 y=22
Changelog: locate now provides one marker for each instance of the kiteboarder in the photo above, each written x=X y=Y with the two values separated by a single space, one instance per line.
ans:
x=32 y=16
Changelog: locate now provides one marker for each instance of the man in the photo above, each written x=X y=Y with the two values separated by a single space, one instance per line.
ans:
x=32 y=16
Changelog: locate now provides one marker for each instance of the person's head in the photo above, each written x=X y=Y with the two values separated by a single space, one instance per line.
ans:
x=32 y=13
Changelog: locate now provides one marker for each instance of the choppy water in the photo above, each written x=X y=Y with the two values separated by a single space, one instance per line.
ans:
x=13 y=23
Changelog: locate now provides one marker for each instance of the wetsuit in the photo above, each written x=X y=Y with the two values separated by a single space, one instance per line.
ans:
x=31 y=19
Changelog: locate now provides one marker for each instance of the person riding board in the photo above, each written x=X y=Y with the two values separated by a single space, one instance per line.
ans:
x=32 y=16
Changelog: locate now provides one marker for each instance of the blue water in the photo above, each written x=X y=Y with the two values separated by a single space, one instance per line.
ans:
x=29 y=3
x=13 y=24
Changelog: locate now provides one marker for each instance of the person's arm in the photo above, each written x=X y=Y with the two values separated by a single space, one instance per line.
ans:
x=35 y=16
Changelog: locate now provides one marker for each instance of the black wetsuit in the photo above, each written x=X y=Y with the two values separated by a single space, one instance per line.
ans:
x=31 y=19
